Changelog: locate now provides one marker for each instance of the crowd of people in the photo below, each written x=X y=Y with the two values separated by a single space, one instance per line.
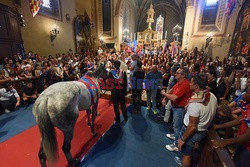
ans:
x=190 y=86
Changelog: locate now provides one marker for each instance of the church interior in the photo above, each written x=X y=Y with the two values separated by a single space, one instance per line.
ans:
x=43 y=42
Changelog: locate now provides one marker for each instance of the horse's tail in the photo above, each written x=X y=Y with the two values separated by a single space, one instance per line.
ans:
x=47 y=131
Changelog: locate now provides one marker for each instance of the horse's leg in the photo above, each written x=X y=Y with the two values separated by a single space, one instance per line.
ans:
x=88 y=114
x=68 y=135
x=42 y=155
x=94 y=109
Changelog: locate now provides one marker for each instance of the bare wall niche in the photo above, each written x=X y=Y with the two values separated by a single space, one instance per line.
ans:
x=10 y=36
x=241 y=38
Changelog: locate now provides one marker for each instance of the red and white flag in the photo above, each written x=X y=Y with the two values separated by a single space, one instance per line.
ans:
x=35 y=6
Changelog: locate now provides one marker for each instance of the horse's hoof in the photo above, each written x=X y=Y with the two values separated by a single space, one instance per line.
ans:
x=74 y=163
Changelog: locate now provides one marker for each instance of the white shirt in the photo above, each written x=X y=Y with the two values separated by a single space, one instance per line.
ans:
x=4 y=95
x=205 y=113
x=134 y=66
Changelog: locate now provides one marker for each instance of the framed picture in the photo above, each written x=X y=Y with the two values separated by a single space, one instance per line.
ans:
x=52 y=9
x=17 y=3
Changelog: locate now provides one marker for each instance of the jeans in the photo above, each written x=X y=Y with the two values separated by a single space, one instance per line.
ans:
x=178 y=117
x=168 y=107
x=187 y=148
x=151 y=93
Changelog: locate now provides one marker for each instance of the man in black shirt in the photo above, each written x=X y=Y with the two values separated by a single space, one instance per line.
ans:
x=137 y=86
x=29 y=93
x=117 y=83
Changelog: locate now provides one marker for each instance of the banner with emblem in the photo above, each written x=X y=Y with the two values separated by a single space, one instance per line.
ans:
x=230 y=7
x=35 y=6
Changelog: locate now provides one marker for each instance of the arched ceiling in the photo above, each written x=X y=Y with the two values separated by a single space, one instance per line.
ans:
x=142 y=4
x=173 y=11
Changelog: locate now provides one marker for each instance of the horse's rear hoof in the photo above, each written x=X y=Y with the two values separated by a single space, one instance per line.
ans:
x=74 y=163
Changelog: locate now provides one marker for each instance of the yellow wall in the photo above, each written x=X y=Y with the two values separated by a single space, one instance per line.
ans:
x=36 y=33
x=219 y=46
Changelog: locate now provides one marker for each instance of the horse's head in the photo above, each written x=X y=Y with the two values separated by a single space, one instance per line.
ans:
x=100 y=72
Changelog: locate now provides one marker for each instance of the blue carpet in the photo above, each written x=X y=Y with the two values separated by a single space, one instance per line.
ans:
x=139 y=142
x=15 y=122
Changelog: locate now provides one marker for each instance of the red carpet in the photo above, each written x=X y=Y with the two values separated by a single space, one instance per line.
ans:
x=22 y=149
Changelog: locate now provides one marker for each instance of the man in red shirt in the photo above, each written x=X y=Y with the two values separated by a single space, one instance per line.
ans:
x=179 y=95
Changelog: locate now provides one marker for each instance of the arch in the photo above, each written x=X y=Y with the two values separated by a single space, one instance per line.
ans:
x=118 y=7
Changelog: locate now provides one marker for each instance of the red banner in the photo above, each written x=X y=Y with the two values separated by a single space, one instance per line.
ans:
x=35 y=6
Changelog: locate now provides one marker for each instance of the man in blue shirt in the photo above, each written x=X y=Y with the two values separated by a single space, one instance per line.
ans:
x=153 y=82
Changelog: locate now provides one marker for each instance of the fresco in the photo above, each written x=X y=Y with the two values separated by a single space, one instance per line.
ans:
x=84 y=40
x=241 y=38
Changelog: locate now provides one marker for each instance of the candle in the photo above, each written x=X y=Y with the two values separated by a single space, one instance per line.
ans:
x=166 y=34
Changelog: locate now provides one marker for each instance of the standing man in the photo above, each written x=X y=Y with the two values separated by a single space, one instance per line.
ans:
x=137 y=86
x=132 y=68
x=179 y=95
x=153 y=83
x=200 y=113
x=133 y=65
x=117 y=82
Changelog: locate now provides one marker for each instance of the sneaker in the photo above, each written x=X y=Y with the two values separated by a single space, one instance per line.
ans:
x=148 y=108
x=155 y=111
x=170 y=136
x=172 y=147
x=6 y=111
x=165 y=120
x=177 y=160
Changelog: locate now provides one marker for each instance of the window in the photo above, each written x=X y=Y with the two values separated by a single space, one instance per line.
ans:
x=106 y=9
x=209 y=12
x=211 y=2
x=51 y=8
x=46 y=4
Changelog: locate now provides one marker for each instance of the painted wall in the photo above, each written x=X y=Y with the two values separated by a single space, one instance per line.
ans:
x=36 y=33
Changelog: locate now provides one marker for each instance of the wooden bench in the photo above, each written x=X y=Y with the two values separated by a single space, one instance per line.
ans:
x=212 y=157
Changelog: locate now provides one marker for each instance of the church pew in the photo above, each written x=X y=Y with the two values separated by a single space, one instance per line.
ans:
x=214 y=157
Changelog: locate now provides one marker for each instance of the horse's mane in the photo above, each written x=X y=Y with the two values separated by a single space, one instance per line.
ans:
x=97 y=71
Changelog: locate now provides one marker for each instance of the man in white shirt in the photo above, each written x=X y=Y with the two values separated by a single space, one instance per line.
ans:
x=133 y=65
x=200 y=112
x=9 y=98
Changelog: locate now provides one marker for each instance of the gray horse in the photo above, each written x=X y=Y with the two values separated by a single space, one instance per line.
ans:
x=59 y=106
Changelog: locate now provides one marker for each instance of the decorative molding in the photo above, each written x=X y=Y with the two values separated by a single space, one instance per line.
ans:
x=108 y=34
x=100 y=19
x=217 y=29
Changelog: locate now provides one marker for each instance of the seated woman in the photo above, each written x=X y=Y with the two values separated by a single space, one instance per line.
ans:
x=9 y=98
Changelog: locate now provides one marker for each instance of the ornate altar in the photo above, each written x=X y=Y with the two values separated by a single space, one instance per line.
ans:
x=150 y=37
